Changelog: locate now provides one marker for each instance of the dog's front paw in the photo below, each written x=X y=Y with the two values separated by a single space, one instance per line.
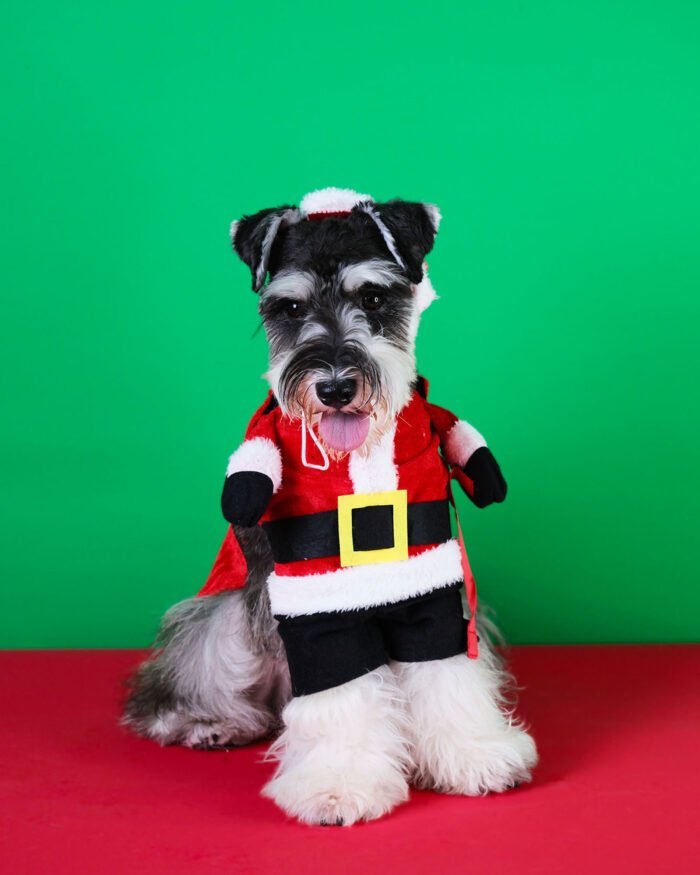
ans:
x=492 y=764
x=329 y=799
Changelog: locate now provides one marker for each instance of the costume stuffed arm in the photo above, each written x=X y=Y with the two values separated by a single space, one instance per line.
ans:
x=254 y=472
x=465 y=451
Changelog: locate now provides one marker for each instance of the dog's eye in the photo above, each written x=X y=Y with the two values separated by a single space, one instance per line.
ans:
x=293 y=309
x=372 y=301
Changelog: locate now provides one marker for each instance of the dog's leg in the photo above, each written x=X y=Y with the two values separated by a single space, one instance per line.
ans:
x=210 y=684
x=464 y=740
x=343 y=756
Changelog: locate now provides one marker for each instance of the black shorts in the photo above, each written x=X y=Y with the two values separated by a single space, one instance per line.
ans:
x=326 y=650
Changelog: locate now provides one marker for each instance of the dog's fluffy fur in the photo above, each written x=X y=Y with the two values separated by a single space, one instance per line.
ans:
x=218 y=676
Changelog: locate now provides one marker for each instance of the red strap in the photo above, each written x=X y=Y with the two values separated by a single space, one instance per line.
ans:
x=469 y=585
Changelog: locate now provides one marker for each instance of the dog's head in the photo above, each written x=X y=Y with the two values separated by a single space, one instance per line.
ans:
x=341 y=283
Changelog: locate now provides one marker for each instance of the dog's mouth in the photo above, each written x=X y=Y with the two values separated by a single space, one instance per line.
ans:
x=344 y=431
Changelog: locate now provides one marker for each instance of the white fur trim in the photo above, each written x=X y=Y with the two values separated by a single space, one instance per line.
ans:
x=435 y=215
x=331 y=200
x=424 y=291
x=461 y=442
x=363 y=586
x=375 y=471
x=232 y=231
x=258 y=454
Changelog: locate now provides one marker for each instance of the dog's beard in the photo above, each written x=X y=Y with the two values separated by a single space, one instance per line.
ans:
x=380 y=396
x=382 y=367
x=375 y=420
x=370 y=411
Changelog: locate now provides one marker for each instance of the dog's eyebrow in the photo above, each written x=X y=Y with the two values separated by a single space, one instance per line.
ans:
x=297 y=284
x=376 y=272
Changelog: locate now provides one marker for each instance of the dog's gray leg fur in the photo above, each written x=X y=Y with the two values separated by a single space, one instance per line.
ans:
x=218 y=675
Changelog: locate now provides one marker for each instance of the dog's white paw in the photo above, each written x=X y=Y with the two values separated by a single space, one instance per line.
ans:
x=343 y=756
x=464 y=739
x=330 y=798
x=491 y=764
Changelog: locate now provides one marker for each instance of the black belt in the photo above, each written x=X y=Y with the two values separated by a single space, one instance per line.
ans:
x=315 y=535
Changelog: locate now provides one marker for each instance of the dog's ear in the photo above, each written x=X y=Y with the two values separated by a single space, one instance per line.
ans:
x=253 y=237
x=413 y=227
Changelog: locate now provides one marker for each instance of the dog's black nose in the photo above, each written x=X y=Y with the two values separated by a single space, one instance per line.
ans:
x=336 y=393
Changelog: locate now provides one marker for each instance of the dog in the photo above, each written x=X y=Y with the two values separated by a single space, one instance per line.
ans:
x=348 y=642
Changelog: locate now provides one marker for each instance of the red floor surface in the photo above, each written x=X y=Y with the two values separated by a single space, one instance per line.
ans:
x=618 y=731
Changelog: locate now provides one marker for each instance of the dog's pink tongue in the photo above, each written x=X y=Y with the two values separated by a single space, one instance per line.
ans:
x=344 y=431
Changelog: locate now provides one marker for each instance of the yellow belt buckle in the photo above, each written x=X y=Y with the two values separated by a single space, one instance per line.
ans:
x=398 y=500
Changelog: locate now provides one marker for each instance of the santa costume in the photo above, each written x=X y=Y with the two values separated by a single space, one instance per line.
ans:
x=366 y=569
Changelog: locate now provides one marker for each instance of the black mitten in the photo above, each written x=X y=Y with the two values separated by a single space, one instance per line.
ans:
x=245 y=497
x=484 y=472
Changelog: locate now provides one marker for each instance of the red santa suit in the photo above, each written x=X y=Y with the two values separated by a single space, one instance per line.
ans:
x=414 y=455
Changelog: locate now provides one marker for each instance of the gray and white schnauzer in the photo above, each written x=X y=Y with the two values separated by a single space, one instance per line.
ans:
x=333 y=618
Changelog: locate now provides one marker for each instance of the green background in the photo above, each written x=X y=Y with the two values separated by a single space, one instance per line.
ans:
x=561 y=141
